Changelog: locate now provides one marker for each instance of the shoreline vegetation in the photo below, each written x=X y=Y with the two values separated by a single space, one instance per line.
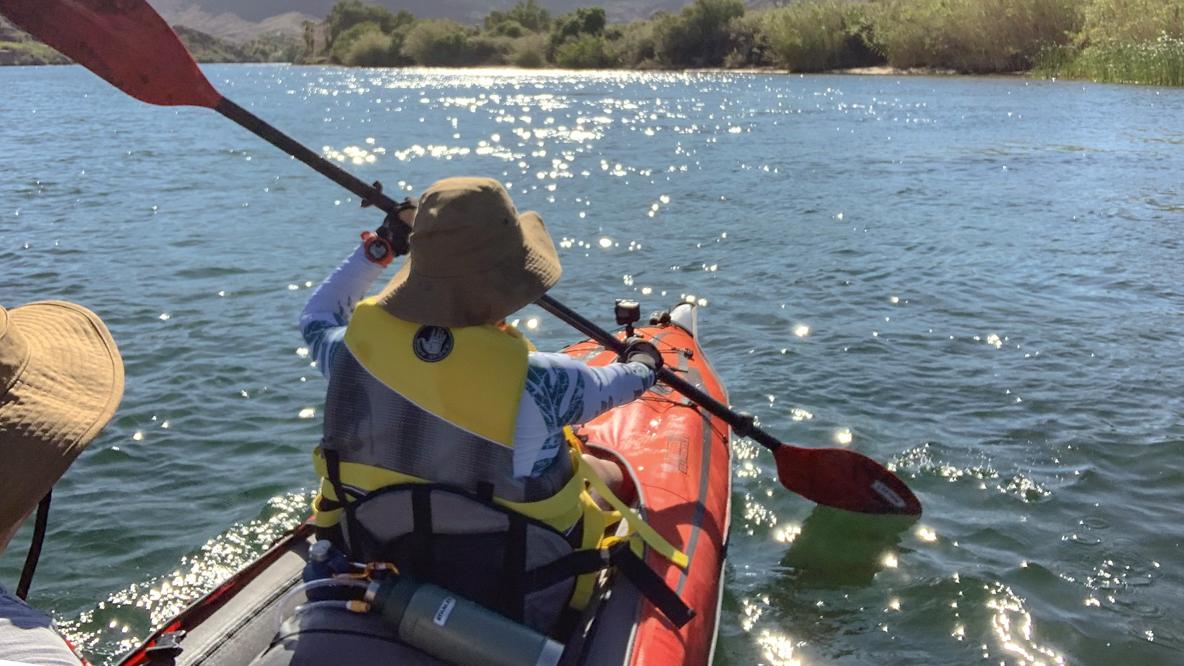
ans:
x=19 y=48
x=1118 y=41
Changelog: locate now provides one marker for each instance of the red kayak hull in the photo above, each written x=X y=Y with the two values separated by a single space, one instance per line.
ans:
x=681 y=456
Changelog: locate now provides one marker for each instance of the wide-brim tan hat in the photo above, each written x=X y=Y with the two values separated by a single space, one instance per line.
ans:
x=473 y=260
x=61 y=379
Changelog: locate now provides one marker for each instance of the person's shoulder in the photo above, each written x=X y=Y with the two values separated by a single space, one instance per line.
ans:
x=20 y=614
x=27 y=636
x=546 y=358
x=553 y=361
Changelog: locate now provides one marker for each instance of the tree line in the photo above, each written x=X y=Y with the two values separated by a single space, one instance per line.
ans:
x=970 y=36
x=1131 y=41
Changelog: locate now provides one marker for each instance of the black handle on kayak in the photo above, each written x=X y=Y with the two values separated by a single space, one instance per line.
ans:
x=742 y=424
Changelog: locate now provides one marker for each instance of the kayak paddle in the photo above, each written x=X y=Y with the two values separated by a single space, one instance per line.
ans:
x=127 y=43
x=835 y=477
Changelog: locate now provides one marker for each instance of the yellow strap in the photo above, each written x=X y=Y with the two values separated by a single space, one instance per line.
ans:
x=560 y=511
x=643 y=529
x=573 y=441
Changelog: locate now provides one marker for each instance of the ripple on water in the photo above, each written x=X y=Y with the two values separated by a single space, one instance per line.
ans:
x=127 y=616
x=850 y=205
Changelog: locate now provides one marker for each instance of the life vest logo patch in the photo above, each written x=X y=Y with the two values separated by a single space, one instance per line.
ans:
x=432 y=343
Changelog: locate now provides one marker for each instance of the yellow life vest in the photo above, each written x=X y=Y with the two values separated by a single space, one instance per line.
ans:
x=455 y=392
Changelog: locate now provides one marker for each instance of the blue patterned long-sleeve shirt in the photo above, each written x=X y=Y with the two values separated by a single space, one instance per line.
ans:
x=559 y=390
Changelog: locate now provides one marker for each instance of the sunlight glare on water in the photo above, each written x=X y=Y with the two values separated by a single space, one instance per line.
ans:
x=1006 y=339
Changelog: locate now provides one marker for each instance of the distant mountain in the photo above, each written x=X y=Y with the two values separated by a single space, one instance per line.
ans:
x=230 y=24
x=270 y=47
x=468 y=11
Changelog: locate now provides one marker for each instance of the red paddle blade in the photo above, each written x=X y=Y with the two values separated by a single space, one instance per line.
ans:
x=123 y=41
x=844 y=479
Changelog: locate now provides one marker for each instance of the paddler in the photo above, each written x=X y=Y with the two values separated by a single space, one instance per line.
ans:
x=473 y=261
x=428 y=385
x=61 y=378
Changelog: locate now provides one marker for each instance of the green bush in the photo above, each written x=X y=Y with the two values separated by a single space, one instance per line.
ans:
x=584 y=52
x=529 y=51
x=489 y=50
x=527 y=13
x=371 y=49
x=348 y=13
x=971 y=35
x=446 y=43
x=819 y=35
x=699 y=35
x=583 y=21
x=346 y=39
x=509 y=28
x=1132 y=21
x=634 y=45
x=750 y=42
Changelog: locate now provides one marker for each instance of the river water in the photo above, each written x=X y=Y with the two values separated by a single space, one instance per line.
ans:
x=975 y=280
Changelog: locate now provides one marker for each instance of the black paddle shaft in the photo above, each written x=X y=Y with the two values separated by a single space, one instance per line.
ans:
x=742 y=424
x=368 y=193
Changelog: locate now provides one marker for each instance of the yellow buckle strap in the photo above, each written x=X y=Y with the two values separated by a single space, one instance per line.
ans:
x=648 y=534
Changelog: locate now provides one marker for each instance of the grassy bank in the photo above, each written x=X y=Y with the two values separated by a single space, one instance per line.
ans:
x=1122 y=41
x=1113 y=40
x=1128 y=41
x=1158 y=63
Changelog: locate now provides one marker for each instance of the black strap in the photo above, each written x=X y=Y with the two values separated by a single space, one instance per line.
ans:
x=630 y=565
x=326 y=504
x=513 y=593
x=421 y=515
x=22 y=587
x=653 y=587
x=485 y=491
x=333 y=470
x=571 y=565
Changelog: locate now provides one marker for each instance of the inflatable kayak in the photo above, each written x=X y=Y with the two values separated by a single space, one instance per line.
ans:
x=680 y=458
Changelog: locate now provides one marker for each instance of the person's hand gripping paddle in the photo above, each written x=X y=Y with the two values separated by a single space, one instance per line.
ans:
x=127 y=43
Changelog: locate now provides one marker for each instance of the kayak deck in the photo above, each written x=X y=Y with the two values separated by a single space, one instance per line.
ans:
x=681 y=463
x=682 y=456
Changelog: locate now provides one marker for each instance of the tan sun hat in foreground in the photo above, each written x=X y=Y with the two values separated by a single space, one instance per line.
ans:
x=473 y=259
x=61 y=378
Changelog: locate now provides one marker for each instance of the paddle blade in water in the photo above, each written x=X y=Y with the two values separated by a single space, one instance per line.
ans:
x=123 y=41
x=844 y=479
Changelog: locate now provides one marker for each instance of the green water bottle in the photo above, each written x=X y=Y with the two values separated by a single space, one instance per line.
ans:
x=457 y=630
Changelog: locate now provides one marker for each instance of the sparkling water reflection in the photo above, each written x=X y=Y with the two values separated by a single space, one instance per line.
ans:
x=975 y=280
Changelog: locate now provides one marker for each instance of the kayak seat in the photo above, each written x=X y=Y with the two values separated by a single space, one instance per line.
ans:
x=325 y=636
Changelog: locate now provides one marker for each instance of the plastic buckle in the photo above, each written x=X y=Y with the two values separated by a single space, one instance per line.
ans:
x=166 y=647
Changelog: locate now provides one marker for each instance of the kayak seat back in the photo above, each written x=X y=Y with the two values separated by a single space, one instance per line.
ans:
x=466 y=544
